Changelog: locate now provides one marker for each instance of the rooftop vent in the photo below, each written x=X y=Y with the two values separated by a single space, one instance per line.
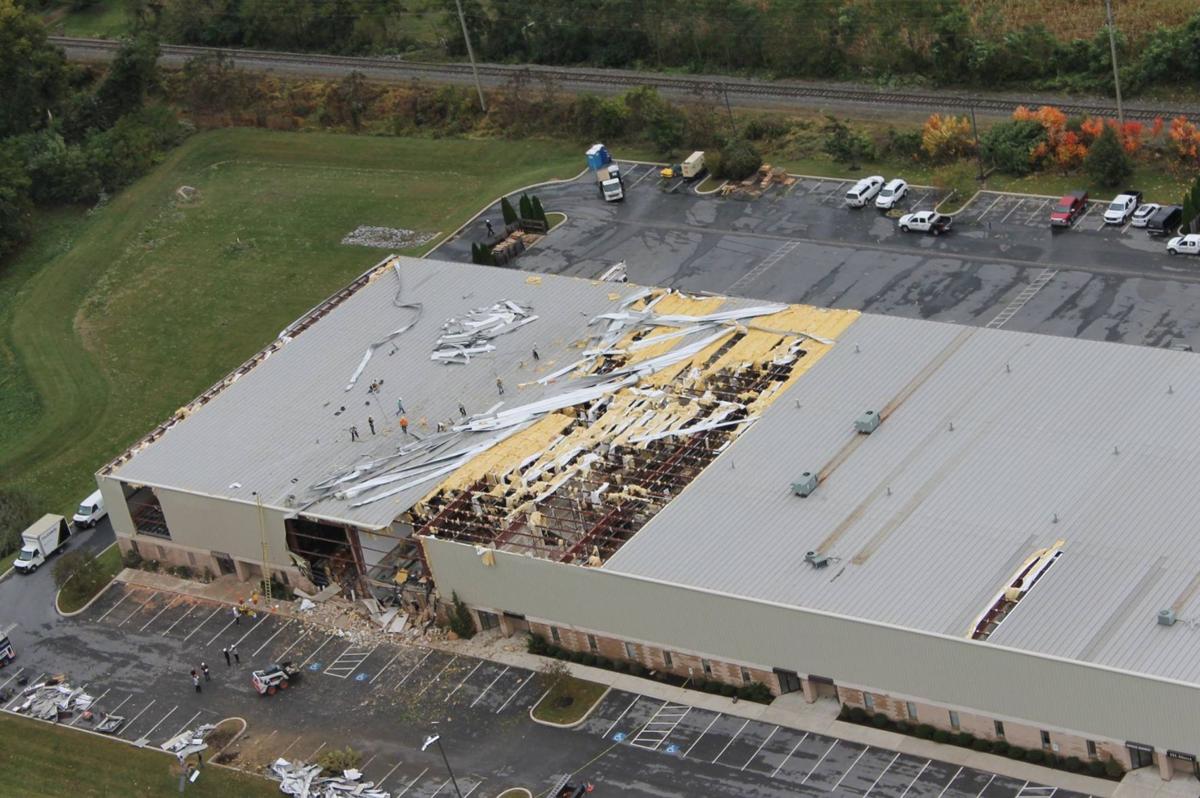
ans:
x=867 y=423
x=805 y=485
x=816 y=560
x=1166 y=617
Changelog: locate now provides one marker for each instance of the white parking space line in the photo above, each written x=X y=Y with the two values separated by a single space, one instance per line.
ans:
x=706 y=728
x=290 y=746
x=832 y=746
x=303 y=635
x=433 y=681
x=1086 y=214
x=1103 y=224
x=18 y=672
x=1036 y=211
x=409 y=786
x=952 y=780
x=445 y=784
x=920 y=773
x=161 y=720
x=464 y=681
x=643 y=177
x=206 y=620
x=618 y=720
x=414 y=668
x=989 y=784
x=170 y=604
x=113 y=607
x=177 y=621
x=138 y=715
x=993 y=205
x=385 y=667
x=1011 y=212
x=272 y=637
x=95 y=702
x=514 y=693
x=1128 y=224
x=731 y=739
x=313 y=755
x=852 y=764
x=367 y=764
x=489 y=687
x=387 y=775
x=187 y=724
x=880 y=776
x=924 y=197
x=232 y=621
x=760 y=748
x=249 y=632
x=115 y=709
x=315 y=650
x=139 y=609
x=789 y=756
x=474 y=787
x=21 y=693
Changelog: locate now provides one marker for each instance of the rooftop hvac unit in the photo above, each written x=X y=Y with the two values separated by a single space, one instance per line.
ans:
x=805 y=485
x=867 y=423
x=1166 y=617
x=816 y=560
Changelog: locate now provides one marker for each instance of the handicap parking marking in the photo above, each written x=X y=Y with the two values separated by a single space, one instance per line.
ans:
x=348 y=661
x=188 y=636
x=158 y=614
x=655 y=731
x=139 y=609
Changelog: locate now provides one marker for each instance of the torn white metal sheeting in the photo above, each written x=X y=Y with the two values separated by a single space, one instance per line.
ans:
x=305 y=781
x=691 y=430
x=554 y=375
x=416 y=306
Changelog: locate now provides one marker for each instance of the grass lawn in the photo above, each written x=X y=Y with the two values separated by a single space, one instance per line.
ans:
x=569 y=701
x=110 y=565
x=111 y=320
x=44 y=761
x=105 y=19
x=554 y=219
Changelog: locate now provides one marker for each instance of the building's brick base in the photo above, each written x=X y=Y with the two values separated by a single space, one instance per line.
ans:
x=169 y=554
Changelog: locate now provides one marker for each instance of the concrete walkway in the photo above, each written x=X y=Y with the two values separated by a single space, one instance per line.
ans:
x=790 y=711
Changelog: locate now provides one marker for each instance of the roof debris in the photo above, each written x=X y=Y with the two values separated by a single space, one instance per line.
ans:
x=469 y=335
x=305 y=781
x=189 y=742
x=53 y=699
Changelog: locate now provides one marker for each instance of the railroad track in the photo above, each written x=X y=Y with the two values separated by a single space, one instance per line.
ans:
x=740 y=91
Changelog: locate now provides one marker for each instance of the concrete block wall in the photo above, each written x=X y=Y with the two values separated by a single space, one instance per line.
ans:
x=682 y=664
x=1015 y=733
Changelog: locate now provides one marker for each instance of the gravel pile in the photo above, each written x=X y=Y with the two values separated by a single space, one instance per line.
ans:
x=387 y=237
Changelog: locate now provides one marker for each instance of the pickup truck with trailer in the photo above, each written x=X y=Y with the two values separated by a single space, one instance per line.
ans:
x=41 y=540
x=607 y=173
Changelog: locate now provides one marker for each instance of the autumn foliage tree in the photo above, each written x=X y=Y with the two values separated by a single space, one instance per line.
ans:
x=1185 y=139
x=947 y=138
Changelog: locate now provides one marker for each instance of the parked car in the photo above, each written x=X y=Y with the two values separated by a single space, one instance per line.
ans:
x=1166 y=221
x=90 y=511
x=1069 y=208
x=1144 y=212
x=1184 y=245
x=895 y=190
x=864 y=191
x=925 y=222
x=1122 y=207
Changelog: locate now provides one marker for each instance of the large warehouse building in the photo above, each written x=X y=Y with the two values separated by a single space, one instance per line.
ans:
x=976 y=529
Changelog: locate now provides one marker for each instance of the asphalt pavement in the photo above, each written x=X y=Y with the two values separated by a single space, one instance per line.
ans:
x=800 y=244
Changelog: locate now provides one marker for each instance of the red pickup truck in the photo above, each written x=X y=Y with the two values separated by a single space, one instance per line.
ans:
x=1069 y=208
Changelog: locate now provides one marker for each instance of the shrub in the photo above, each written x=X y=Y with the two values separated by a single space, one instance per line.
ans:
x=845 y=144
x=621 y=666
x=1095 y=767
x=964 y=739
x=1107 y=163
x=756 y=691
x=712 y=687
x=1035 y=756
x=150 y=565
x=1009 y=146
x=881 y=721
x=728 y=690
x=941 y=736
x=506 y=210
x=1113 y=769
x=1000 y=747
x=208 y=574
x=554 y=651
x=1015 y=752
x=525 y=206
x=903 y=143
x=738 y=159
x=461 y=622
x=924 y=731
x=858 y=715
x=535 y=644
x=637 y=669
x=334 y=760
x=131 y=559
x=903 y=727
x=604 y=662
x=539 y=213
x=947 y=138
x=980 y=744
x=184 y=572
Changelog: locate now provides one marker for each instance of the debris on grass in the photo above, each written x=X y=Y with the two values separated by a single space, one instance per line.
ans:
x=387 y=237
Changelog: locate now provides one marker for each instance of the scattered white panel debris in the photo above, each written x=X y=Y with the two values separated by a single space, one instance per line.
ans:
x=305 y=781
x=386 y=237
x=467 y=335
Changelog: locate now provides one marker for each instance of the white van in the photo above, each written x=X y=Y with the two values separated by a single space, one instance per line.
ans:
x=90 y=511
x=864 y=191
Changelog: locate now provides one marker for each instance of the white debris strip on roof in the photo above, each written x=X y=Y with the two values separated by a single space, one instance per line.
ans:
x=416 y=306
x=470 y=334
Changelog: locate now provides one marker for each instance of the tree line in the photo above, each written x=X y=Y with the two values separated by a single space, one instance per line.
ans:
x=924 y=41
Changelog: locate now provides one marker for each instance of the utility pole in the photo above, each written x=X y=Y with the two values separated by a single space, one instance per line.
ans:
x=437 y=738
x=462 y=20
x=1112 y=46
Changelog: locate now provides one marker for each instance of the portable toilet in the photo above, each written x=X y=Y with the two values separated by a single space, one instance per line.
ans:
x=597 y=157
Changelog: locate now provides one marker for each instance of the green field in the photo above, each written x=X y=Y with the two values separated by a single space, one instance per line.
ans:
x=105 y=19
x=44 y=761
x=71 y=600
x=110 y=321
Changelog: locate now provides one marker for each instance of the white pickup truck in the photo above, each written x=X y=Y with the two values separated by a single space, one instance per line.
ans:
x=44 y=537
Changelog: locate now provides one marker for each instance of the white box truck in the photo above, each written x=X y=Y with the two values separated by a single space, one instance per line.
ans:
x=40 y=540
x=608 y=174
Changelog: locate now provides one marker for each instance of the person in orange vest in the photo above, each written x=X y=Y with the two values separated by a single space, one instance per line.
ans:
x=404 y=424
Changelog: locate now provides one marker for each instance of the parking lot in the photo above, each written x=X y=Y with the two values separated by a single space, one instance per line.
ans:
x=382 y=700
x=800 y=244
